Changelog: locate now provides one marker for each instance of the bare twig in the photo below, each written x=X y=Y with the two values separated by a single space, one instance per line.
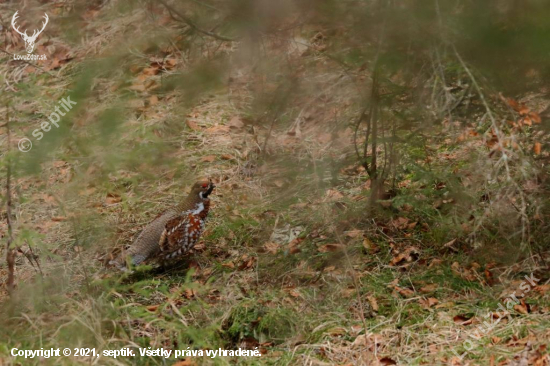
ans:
x=28 y=63
x=192 y=24
x=10 y=252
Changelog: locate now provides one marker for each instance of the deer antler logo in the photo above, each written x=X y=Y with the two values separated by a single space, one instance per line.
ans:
x=29 y=40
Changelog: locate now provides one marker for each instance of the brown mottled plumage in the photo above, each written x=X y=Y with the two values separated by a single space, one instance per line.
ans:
x=173 y=232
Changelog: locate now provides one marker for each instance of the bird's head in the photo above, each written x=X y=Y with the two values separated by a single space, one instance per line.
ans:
x=202 y=189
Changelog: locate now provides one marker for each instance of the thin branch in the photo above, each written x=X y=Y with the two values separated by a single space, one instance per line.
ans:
x=10 y=252
x=29 y=63
x=190 y=23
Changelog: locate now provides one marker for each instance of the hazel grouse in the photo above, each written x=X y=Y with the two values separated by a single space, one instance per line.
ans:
x=173 y=233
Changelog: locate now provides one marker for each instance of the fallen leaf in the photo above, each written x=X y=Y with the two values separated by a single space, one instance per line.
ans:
x=333 y=195
x=208 y=158
x=435 y=262
x=370 y=246
x=429 y=302
x=337 y=331
x=153 y=99
x=429 y=288
x=247 y=263
x=450 y=244
x=535 y=117
x=387 y=361
x=330 y=248
x=138 y=87
x=169 y=63
x=400 y=223
x=522 y=308
x=152 y=308
x=189 y=293
x=113 y=198
x=272 y=248
x=410 y=254
x=294 y=293
x=542 y=289
x=373 y=303
x=405 y=292
x=192 y=125
x=150 y=71
x=354 y=233
x=217 y=129
x=463 y=319
x=293 y=246
x=235 y=122
x=537 y=148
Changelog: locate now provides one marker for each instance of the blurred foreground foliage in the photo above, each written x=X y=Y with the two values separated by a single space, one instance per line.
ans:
x=411 y=121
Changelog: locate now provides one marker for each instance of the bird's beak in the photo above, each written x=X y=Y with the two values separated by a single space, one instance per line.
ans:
x=211 y=187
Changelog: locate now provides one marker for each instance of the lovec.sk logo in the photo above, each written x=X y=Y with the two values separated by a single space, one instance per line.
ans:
x=29 y=40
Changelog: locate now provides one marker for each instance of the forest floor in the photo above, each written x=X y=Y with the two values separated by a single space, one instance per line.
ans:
x=294 y=261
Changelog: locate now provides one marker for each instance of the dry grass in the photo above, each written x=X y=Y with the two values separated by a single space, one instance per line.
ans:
x=289 y=263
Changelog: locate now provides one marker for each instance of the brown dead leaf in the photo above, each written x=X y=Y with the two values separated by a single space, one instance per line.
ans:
x=542 y=289
x=435 y=262
x=537 y=148
x=152 y=308
x=272 y=248
x=279 y=183
x=324 y=138
x=228 y=265
x=293 y=246
x=428 y=303
x=208 y=158
x=463 y=319
x=217 y=129
x=151 y=70
x=400 y=223
x=59 y=218
x=373 y=303
x=387 y=361
x=293 y=292
x=522 y=308
x=330 y=248
x=354 y=233
x=138 y=87
x=153 y=99
x=192 y=125
x=334 y=195
x=370 y=246
x=189 y=293
x=337 y=331
x=170 y=63
x=348 y=292
x=535 y=117
x=450 y=245
x=247 y=263
x=489 y=276
x=235 y=122
x=112 y=198
x=403 y=291
x=429 y=288
x=410 y=254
